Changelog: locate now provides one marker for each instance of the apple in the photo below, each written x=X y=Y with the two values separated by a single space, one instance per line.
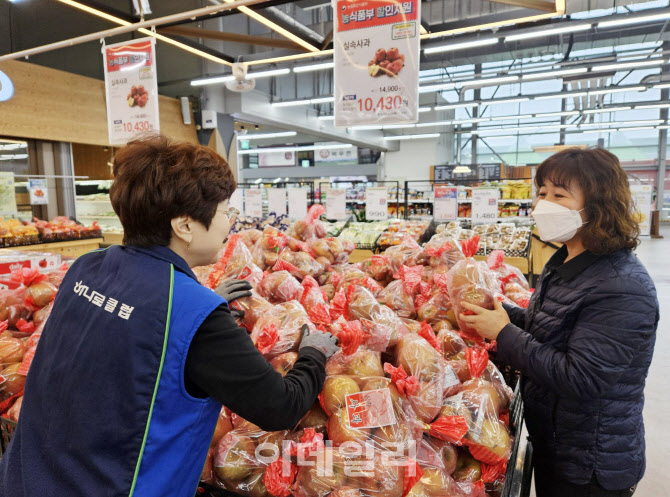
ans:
x=335 y=389
x=418 y=357
x=339 y=430
x=255 y=486
x=283 y=363
x=460 y=367
x=494 y=437
x=14 y=382
x=380 y=55
x=364 y=363
x=481 y=394
x=378 y=477
x=450 y=409
x=271 y=439
x=11 y=350
x=450 y=342
x=467 y=468
x=427 y=402
x=393 y=53
x=315 y=418
x=417 y=491
x=378 y=384
x=346 y=492
x=437 y=483
x=317 y=478
x=448 y=453
x=223 y=426
x=235 y=458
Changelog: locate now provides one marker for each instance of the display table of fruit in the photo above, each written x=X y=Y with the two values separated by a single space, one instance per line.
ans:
x=411 y=406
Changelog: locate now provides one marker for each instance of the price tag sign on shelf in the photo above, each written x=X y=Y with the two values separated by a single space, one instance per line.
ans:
x=445 y=207
x=39 y=194
x=376 y=61
x=642 y=199
x=277 y=201
x=7 y=194
x=253 y=202
x=297 y=203
x=336 y=204
x=237 y=200
x=485 y=204
x=376 y=204
x=131 y=89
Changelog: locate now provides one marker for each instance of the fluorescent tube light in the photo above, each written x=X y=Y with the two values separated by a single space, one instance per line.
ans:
x=610 y=109
x=460 y=46
x=326 y=118
x=261 y=136
x=411 y=137
x=425 y=109
x=314 y=67
x=293 y=149
x=634 y=20
x=322 y=100
x=457 y=106
x=291 y=103
x=506 y=101
x=553 y=74
x=548 y=32
x=654 y=106
x=634 y=64
x=432 y=88
x=607 y=91
x=491 y=81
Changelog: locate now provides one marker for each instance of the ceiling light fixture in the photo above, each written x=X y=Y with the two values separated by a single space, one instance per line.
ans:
x=412 y=137
x=608 y=109
x=511 y=118
x=252 y=75
x=291 y=103
x=425 y=109
x=260 y=136
x=314 y=67
x=554 y=74
x=548 y=32
x=654 y=106
x=460 y=46
x=662 y=86
x=568 y=95
x=398 y=126
x=293 y=149
x=634 y=20
x=462 y=169
x=607 y=91
x=635 y=64
x=437 y=123
x=322 y=100
x=212 y=81
x=326 y=118
x=457 y=106
x=432 y=88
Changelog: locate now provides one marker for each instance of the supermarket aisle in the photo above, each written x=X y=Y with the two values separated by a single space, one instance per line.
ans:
x=654 y=255
x=656 y=482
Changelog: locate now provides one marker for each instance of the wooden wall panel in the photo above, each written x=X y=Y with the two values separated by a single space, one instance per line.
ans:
x=91 y=161
x=49 y=104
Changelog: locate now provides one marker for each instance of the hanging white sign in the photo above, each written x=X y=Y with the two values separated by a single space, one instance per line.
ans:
x=131 y=89
x=277 y=201
x=445 y=207
x=376 y=61
x=253 y=202
x=376 y=204
x=297 y=203
x=642 y=199
x=485 y=205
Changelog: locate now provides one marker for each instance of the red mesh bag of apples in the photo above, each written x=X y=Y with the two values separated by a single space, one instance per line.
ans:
x=280 y=330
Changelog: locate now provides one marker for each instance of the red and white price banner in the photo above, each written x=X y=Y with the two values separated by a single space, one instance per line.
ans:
x=376 y=61
x=131 y=89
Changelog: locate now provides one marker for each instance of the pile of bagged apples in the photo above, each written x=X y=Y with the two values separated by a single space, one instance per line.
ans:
x=411 y=405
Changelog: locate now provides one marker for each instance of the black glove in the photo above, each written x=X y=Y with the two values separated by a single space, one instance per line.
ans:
x=233 y=289
x=322 y=341
x=237 y=313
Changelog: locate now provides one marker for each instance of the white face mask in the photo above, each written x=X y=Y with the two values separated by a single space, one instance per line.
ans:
x=555 y=222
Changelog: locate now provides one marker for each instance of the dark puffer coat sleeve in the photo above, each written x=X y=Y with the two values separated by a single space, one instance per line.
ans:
x=517 y=315
x=616 y=320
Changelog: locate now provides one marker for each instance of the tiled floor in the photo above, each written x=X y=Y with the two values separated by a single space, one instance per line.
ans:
x=655 y=254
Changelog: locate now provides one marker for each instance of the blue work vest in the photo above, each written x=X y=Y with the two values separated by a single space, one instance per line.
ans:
x=105 y=411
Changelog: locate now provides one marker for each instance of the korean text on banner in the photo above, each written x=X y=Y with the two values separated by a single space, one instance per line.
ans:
x=7 y=194
x=336 y=204
x=376 y=61
x=484 y=205
x=277 y=201
x=39 y=193
x=445 y=207
x=253 y=202
x=376 y=204
x=642 y=199
x=131 y=89
x=297 y=203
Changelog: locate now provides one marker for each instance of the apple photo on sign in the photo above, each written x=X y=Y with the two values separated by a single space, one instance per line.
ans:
x=388 y=62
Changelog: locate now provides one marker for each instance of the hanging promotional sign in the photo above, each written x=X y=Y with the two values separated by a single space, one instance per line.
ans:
x=253 y=202
x=376 y=61
x=445 y=207
x=376 y=204
x=7 y=194
x=131 y=89
x=276 y=159
x=485 y=204
x=336 y=204
x=277 y=200
x=39 y=194
x=642 y=199
x=297 y=203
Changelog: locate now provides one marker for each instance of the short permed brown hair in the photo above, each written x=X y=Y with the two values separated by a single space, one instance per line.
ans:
x=156 y=180
x=608 y=204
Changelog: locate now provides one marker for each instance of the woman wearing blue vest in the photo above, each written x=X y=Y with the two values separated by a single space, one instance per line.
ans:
x=137 y=357
x=585 y=343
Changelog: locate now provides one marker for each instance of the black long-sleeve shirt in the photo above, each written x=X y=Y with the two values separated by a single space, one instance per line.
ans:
x=223 y=363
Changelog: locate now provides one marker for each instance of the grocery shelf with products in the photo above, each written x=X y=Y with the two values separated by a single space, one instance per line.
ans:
x=356 y=195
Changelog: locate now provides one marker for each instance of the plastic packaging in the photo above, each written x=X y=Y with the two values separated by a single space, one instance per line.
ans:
x=279 y=286
x=409 y=253
x=310 y=227
x=279 y=331
x=443 y=251
x=253 y=306
x=235 y=262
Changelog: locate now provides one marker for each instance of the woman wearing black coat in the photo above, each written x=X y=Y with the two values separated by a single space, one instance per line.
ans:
x=585 y=343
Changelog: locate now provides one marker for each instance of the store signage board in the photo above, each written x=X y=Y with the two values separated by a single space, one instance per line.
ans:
x=237 y=200
x=39 y=193
x=6 y=87
x=131 y=89
x=7 y=194
x=376 y=61
x=276 y=159
x=253 y=202
x=376 y=204
x=642 y=195
x=485 y=205
x=277 y=201
x=336 y=204
x=489 y=171
x=336 y=155
x=297 y=203
x=445 y=207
